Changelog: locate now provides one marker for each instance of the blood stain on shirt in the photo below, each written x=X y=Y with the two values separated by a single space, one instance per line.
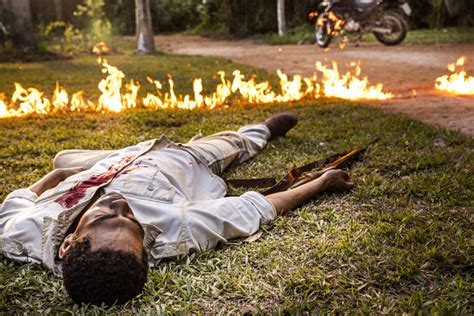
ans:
x=78 y=191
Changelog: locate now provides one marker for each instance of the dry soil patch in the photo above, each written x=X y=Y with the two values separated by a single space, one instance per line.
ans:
x=401 y=69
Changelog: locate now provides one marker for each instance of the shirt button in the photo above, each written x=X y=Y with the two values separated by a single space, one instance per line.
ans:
x=150 y=188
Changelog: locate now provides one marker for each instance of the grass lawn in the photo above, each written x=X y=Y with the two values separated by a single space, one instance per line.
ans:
x=401 y=241
x=451 y=35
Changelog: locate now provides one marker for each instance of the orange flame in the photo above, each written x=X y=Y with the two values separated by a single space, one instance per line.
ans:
x=343 y=42
x=30 y=101
x=79 y=104
x=111 y=98
x=100 y=48
x=349 y=86
x=458 y=82
x=60 y=98
x=313 y=15
x=115 y=99
x=338 y=22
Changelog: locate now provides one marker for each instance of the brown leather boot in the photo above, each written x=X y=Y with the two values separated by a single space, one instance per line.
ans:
x=280 y=124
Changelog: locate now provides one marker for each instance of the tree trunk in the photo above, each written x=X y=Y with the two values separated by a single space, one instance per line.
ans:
x=436 y=17
x=68 y=8
x=7 y=12
x=455 y=7
x=22 y=25
x=144 y=29
x=281 y=17
x=229 y=17
x=58 y=10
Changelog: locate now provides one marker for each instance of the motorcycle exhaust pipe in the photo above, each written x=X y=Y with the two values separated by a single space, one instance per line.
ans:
x=381 y=30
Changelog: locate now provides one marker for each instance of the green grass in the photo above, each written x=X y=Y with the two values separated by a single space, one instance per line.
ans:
x=449 y=35
x=83 y=73
x=305 y=34
x=401 y=241
x=300 y=34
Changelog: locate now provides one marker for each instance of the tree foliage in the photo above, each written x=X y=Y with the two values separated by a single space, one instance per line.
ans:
x=167 y=15
x=229 y=17
x=244 y=17
x=440 y=13
x=88 y=27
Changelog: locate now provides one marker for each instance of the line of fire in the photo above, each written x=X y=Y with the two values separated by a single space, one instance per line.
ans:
x=117 y=97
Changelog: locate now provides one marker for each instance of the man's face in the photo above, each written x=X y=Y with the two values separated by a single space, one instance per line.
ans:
x=109 y=223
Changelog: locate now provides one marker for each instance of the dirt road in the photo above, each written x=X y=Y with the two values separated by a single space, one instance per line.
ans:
x=401 y=69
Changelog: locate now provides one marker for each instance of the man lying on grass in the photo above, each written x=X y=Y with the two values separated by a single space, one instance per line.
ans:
x=101 y=218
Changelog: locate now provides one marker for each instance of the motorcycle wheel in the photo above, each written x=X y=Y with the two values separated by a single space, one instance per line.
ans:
x=397 y=25
x=323 y=33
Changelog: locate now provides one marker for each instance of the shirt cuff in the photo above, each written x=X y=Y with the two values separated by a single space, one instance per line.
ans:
x=22 y=194
x=263 y=205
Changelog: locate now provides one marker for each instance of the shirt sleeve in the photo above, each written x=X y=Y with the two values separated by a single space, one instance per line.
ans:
x=16 y=202
x=210 y=222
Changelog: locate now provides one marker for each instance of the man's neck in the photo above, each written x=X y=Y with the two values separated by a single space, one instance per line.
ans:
x=74 y=224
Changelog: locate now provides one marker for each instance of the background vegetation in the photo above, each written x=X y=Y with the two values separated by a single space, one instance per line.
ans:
x=232 y=17
x=246 y=17
x=55 y=27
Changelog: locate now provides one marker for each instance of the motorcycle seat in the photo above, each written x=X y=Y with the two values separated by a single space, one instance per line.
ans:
x=365 y=4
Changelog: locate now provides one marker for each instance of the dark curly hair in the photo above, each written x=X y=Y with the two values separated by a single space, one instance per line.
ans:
x=103 y=276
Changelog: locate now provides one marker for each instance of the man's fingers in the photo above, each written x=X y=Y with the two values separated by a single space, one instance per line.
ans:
x=350 y=184
x=349 y=181
x=345 y=176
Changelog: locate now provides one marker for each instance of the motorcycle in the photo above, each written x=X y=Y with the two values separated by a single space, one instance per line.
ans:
x=386 y=19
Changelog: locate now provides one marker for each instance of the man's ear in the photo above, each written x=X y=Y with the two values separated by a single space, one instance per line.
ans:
x=67 y=243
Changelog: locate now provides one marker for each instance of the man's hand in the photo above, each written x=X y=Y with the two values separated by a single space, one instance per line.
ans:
x=331 y=181
x=336 y=181
x=52 y=179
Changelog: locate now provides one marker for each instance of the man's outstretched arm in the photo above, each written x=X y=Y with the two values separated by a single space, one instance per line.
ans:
x=211 y=221
x=52 y=179
x=331 y=181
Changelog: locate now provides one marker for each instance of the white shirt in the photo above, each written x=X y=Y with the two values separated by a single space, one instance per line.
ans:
x=179 y=201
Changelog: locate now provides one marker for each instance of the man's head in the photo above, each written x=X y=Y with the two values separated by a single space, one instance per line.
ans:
x=104 y=260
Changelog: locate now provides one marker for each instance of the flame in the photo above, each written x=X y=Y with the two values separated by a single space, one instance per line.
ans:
x=4 y=111
x=100 y=48
x=313 y=15
x=130 y=98
x=338 y=23
x=79 y=104
x=116 y=96
x=343 y=42
x=30 y=101
x=335 y=26
x=458 y=82
x=111 y=98
x=348 y=85
x=60 y=98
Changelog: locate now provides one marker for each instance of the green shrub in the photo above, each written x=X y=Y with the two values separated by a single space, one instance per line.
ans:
x=90 y=27
x=92 y=19
x=62 y=37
